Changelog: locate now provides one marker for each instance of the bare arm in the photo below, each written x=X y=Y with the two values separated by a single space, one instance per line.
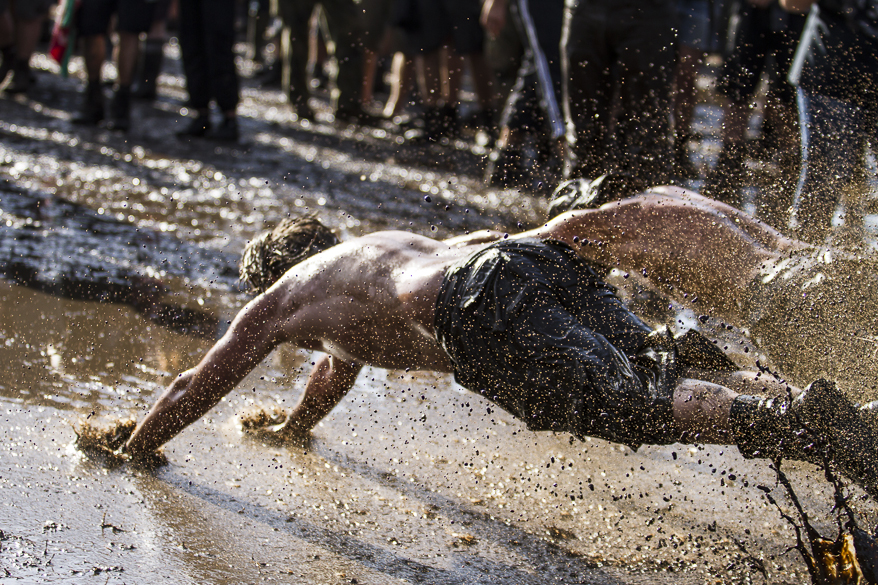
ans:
x=330 y=380
x=254 y=333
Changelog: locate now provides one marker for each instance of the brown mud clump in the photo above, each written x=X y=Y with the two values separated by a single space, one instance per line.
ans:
x=259 y=418
x=103 y=443
x=850 y=559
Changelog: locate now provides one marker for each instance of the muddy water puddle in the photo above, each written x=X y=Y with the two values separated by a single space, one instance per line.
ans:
x=410 y=480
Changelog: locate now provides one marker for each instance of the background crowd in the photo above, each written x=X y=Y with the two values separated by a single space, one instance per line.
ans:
x=562 y=89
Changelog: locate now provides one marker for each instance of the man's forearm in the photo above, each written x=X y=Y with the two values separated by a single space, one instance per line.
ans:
x=329 y=382
x=176 y=409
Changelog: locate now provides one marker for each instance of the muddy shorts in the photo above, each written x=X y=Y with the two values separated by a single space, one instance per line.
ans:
x=534 y=329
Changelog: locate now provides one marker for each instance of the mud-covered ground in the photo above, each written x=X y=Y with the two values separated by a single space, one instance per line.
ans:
x=411 y=479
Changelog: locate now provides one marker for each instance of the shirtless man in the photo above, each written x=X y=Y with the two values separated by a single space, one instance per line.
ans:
x=524 y=322
x=810 y=308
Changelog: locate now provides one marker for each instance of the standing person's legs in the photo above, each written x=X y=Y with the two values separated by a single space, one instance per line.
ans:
x=345 y=21
x=587 y=61
x=152 y=53
x=692 y=45
x=133 y=17
x=222 y=77
x=195 y=66
x=646 y=63
x=93 y=26
x=28 y=17
x=296 y=16
x=7 y=40
x=376 y=39
x=831 y=143
x=738 y=81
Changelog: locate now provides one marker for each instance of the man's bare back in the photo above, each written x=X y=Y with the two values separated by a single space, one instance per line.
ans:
x=369 y=300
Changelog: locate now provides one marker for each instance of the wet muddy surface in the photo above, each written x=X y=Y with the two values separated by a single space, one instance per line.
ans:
x=118 y=259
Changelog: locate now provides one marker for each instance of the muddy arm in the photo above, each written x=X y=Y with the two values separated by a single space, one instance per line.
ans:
x=330 y=380
x=251 y=337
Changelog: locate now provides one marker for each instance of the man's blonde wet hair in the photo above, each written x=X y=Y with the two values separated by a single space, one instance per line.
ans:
x=272 y=253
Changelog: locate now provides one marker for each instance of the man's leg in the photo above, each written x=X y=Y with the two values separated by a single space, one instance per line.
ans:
x=646 y=58
x=685 y=244
x=27 y=35
x=773 y=420
x=91 y=111
x=832 y=142
x=193 y=50
x=588 y=87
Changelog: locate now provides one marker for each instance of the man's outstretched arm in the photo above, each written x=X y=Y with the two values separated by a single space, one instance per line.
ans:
x=330 y=380
x=251 y=337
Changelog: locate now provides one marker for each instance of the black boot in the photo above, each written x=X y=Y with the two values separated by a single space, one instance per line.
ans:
x=439 y=122
x=821 y=423
x=120 y=109
x=22 y=77
x=8 y=56
x=197 y=126
x=725 y=179
x=91 y=112
x=148 y=69
x=227 y=131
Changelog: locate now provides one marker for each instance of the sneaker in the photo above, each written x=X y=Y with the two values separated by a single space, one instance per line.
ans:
x=227 y=131
x=7 y=61
x=197 y=127
x=22 y=78
x=830 y=417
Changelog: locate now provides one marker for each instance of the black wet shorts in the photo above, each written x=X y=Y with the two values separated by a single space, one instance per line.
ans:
x=133 y=16
x=531 y=327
